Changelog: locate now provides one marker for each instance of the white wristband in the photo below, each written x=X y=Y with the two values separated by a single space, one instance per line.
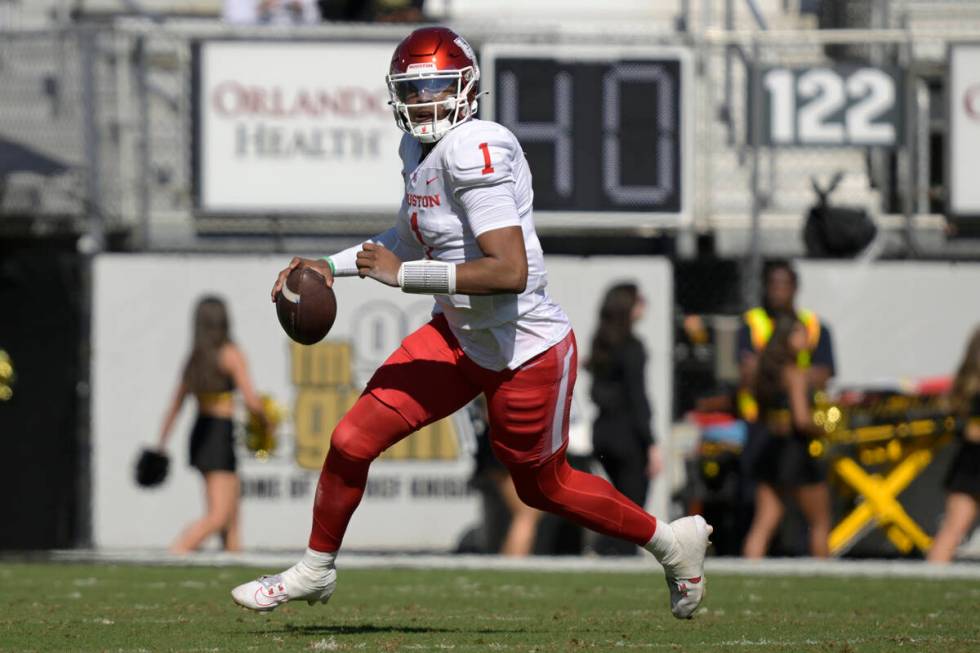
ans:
x=427 y=277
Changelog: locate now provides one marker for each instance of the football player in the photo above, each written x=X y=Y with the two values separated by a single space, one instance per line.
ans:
x=465 y=235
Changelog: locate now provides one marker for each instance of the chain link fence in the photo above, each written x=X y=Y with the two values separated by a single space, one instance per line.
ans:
x=60 y=131
x=42 y=124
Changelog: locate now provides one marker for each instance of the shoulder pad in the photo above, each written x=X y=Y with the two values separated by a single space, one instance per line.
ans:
x=481 y=153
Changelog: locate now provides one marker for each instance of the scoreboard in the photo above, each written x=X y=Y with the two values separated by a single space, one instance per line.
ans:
x=606 y=130
x=840 y=105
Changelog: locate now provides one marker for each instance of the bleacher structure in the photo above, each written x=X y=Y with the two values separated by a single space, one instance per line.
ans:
x=121 y=149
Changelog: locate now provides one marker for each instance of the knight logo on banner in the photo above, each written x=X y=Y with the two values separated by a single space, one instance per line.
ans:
x=323 y=378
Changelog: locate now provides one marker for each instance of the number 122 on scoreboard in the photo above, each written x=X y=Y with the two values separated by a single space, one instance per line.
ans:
x=840 y=105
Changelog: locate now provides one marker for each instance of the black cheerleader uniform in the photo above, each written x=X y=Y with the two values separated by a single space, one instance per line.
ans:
x=964 y=472
x=212 y=444
x=621 y=432
x=784 y=459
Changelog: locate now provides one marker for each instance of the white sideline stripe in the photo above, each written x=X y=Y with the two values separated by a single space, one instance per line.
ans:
x=275 y=560
x=558 y=423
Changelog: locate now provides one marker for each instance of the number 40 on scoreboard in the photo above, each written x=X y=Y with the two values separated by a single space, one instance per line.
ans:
x=607 y=129
x=839 y=105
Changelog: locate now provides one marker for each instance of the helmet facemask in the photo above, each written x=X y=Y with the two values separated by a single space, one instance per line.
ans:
x=441 y=97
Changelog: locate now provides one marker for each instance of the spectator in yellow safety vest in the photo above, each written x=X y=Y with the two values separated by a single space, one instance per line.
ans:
x=783 y=466
x=781 y=284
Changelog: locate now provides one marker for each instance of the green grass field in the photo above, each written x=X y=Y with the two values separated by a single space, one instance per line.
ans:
x=69 y=607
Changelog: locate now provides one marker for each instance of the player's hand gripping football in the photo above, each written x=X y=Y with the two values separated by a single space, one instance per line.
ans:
x=320 y=265
x=378 y=262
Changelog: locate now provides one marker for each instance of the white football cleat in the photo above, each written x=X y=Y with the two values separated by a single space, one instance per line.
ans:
x=684 y=566
x=266 y=593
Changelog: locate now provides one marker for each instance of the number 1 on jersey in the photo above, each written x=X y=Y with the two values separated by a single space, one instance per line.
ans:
x=487 y=168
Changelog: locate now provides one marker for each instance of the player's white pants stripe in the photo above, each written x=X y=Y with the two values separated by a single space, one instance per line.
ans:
x=558 y=422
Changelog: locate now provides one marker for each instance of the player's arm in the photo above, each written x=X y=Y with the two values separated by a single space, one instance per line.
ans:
x=344 y=263
x=480 y=173
x=479 y=170
x=176 y=401
x=502 y=269
x=493 y=218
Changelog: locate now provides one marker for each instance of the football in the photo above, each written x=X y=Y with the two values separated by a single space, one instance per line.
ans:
x=306 y=306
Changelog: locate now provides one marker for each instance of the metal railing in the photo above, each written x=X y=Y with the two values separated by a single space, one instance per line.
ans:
x=112 y=108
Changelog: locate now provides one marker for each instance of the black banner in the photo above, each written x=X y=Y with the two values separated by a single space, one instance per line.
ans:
x=41 y=302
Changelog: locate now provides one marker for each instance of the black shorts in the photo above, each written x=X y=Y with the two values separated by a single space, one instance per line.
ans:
x=964 y=471
x=213 y=445
x=786 y=462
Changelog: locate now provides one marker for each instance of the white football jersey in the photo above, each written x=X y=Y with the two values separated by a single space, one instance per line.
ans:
x=496 y=331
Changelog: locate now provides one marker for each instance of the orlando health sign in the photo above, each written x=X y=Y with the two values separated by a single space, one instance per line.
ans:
x=294 y=127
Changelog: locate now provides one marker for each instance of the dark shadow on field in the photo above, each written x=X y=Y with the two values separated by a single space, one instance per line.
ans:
x=368 y=629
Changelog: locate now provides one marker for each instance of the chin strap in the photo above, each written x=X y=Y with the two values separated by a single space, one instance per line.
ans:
x=475 y=103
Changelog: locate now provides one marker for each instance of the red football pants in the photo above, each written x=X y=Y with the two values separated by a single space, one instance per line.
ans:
x=430 y=377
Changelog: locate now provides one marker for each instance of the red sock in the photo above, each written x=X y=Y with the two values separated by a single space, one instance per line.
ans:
x=583 y=498
x=366 y=430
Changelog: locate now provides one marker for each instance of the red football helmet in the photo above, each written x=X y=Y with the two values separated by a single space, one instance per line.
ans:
x=433 y=83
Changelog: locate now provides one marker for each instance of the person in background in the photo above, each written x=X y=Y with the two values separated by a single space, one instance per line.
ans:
x=214 y=369
x=817 y=356
x=963 y=479
x=384 y=11
x=622 y=438
x=784 y=465
x=271 y=12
